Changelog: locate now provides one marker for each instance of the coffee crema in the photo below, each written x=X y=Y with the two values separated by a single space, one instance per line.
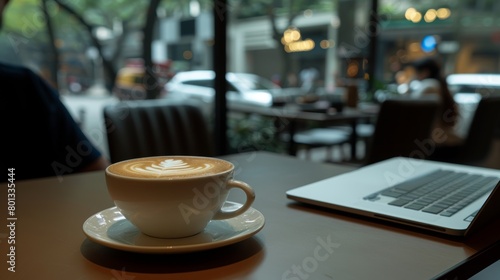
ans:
x=169 y=167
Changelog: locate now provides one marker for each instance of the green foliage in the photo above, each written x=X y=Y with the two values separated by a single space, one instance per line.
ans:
x=253 y=133
x=106 y=12
x=24 y=18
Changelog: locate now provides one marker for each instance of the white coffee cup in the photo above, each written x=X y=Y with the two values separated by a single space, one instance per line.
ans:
x=174 y=196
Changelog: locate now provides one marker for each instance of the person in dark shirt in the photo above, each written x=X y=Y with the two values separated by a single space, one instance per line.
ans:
x=40 y=137
x=430 y=82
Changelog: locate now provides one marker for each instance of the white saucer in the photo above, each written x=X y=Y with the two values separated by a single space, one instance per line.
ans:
x=110 y=228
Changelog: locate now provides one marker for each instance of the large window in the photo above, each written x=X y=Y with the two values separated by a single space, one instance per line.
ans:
x=463 y=33
x=96 y=48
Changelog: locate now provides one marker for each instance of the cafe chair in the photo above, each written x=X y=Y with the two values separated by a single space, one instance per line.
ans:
x=398 y=124
x=401 y=124
x=156 y=127
x=479 y=138
x=364 y=132
x=322 y=137
x=331 y=137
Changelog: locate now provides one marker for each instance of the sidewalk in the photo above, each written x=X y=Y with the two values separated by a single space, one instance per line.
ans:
x=88 y=112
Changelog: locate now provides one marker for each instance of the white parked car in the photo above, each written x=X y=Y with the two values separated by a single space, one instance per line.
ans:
x=467 y=90
x=243 y=88
x=474 y=83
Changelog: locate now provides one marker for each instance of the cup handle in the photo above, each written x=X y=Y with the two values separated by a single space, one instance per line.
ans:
x=250 y=195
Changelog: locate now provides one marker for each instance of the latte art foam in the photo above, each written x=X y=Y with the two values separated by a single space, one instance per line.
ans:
x=173 y=167
x=170 y=166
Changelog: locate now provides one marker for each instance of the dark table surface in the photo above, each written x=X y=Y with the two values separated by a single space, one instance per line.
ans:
x=297 y=241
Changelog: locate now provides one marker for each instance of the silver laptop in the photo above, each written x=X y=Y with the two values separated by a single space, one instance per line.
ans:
x=447 y=198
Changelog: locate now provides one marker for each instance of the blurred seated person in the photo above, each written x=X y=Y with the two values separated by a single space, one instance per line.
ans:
x=40 y=136
x=428 y=81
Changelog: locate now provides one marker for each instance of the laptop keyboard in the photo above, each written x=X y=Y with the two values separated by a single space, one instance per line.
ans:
x=441 y=192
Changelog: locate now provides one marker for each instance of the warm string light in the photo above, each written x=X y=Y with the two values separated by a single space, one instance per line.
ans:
x=292 y=41
x=430 y=15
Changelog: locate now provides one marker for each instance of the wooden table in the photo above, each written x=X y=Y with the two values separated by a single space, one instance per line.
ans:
x=287 y=118
x=297 y=241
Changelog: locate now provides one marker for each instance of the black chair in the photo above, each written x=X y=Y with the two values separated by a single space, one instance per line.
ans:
x=321 y=137
x=156 y=127
x=479 y=137
x=337 y=134
x=402 y=123
x=399 y=126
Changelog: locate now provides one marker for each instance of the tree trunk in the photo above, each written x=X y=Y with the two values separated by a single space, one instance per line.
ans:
x=109 y=68
x=54 y=53
x=150 y=78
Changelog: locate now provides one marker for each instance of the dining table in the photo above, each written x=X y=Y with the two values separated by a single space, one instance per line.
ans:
x=288 y=118
x=44 y=235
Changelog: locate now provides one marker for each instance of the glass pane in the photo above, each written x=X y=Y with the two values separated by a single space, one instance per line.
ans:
x=463 y=34
x=285 y=48
x=93 y=51
x=297 y=51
